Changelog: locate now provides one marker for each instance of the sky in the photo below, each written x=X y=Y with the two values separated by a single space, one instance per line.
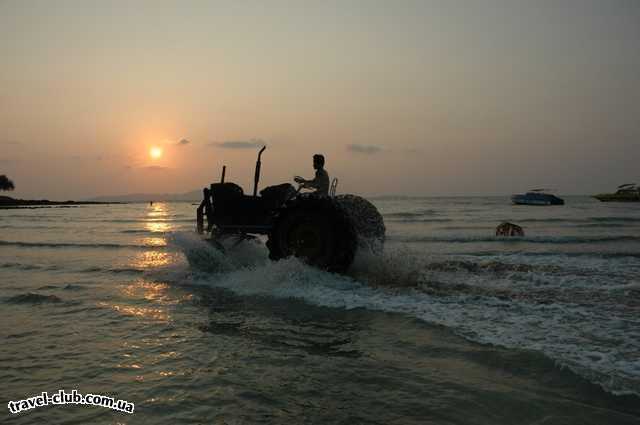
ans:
x=429 y=97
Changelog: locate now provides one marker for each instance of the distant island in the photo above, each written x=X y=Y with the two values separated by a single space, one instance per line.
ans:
x=194 y=195
x=8 y=202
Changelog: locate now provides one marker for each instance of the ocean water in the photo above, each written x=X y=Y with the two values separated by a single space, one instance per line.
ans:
x=450 y=326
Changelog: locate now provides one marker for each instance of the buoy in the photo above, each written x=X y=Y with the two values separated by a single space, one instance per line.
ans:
x=509 y=229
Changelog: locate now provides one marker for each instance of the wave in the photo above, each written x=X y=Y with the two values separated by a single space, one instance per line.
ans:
x=489 y=228
x=31 y=267
x=410 y=214
x=35 y=218
x=527 y=239
x=595 y=254
x=30 y=226
x=488 y=266
x=410 y=217
x=32 y=298
x=72 y=287
x=26 y=266
x=609 y=219
x=147 y=220
x=600 y=225
x=547 y=220
x=125 y=270
x=421 y=220
x=23 y=266
x=617 y=219
x=73 y=245
x=399 y=282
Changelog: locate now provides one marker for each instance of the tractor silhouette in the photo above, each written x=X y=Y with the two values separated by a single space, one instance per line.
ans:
x=324 y=231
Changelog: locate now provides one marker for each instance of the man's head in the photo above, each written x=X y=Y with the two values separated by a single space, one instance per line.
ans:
x=205 y=192
x=318 y=161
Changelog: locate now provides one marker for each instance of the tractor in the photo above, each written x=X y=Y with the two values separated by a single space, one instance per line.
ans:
x=323 y=231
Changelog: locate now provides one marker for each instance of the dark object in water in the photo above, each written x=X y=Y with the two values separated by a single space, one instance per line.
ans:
x=537 y=197
x=629 y=192
x=509 y=229
x=324 y=231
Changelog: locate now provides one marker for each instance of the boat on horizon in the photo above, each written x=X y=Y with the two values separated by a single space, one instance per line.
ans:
x=537 y=197
x=629 y=192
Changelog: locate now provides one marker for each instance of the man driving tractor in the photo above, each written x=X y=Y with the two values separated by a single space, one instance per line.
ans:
x=320 y=182
x=322 y=229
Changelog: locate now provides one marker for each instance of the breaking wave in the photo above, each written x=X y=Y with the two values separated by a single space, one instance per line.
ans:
x=465 y=296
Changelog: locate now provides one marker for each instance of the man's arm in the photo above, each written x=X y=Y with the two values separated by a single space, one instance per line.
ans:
x=312 y=184
x=306 y=183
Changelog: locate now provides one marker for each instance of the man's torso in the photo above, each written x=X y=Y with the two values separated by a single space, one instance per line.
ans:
x=322 y=181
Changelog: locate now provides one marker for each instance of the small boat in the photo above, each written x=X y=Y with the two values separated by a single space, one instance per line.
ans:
x=537 y=197
x=629 y=192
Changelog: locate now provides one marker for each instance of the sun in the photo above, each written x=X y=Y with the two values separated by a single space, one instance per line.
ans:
x=155 y=152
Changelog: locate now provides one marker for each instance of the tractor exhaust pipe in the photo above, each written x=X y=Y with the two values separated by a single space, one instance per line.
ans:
x=256 y=177
x=224 y=171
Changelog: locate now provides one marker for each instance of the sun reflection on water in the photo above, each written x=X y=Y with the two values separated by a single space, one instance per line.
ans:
x=150 y=259
x=155 y=313
x=154 y=242
x=151 y=291
x=158 y=226
x=158 y=209
x=157 y=219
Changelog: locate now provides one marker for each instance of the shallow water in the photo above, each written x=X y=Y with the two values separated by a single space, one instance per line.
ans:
x=451 y=325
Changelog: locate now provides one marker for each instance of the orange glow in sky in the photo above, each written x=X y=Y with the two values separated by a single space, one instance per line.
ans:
x=155 y=152
x=430 y=98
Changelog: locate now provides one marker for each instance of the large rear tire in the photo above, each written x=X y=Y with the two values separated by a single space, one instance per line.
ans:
x=366 y=220
x=317 y=230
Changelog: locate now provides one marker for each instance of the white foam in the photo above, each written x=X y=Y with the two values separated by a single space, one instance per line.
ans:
x=204 y=256
x=598 y=343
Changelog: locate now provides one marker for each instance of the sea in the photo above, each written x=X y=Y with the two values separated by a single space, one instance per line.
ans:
x=449 y=325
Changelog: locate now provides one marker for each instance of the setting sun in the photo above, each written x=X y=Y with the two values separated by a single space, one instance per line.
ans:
x=155 y=152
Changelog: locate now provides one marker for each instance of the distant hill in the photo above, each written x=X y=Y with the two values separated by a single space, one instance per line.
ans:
x=195 y=195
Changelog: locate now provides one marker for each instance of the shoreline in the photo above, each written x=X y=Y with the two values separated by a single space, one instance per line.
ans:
x=10 y=203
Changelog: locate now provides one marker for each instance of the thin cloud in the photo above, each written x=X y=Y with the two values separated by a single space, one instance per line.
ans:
x=240 y=144
x=364 y=149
